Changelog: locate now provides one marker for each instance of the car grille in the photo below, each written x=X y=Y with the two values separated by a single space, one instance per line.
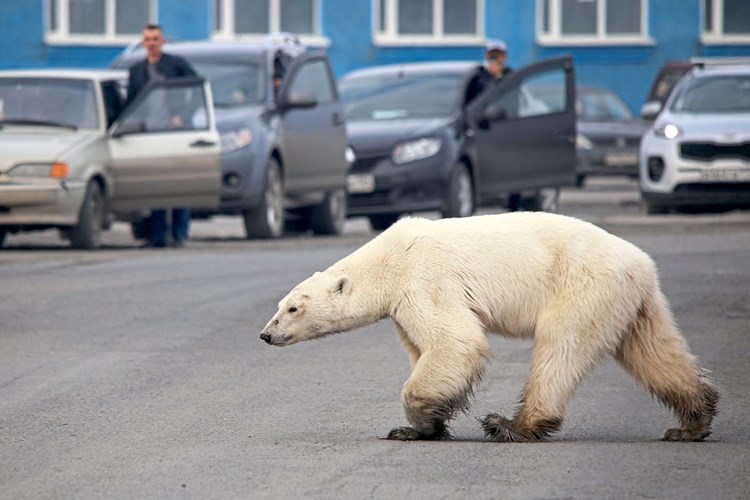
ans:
x=364 y=165
x=707 y=151
x=373 y=199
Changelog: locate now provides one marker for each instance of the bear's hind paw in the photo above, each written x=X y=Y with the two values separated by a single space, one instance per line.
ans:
x=503 y=430
x=412 y=434
x=685 y=435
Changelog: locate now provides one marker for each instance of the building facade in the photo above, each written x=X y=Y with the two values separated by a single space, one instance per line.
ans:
x=619 y=44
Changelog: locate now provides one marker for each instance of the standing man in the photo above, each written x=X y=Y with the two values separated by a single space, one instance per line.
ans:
x=495 y=69
x=158 y=66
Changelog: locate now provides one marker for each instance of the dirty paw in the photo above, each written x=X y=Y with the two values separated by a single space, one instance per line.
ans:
x=501 y=429
x=412 y=434
x=685 y=435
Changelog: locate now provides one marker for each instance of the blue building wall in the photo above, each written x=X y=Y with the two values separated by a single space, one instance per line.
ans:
x=674 y=25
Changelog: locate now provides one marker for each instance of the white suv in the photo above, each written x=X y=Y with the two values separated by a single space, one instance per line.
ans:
x=696 y=155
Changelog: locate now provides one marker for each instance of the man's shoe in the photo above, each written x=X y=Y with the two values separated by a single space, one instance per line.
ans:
x=179 y=243
x=154 y=244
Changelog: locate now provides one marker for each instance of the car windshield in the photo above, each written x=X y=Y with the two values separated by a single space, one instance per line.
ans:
x=48 y=101
x=233 y=84
x=714 y=94
x=398 y=97
x=601 y=106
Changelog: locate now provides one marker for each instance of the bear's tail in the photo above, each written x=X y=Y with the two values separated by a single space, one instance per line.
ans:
x=655 y=353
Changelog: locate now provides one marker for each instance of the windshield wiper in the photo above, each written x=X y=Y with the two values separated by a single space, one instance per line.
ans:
x=43 y=123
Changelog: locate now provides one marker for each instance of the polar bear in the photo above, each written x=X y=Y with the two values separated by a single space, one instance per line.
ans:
x=578 y=291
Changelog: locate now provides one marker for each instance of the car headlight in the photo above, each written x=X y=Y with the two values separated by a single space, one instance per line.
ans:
x=416 y=150
x=583 y=142
x=53 y=170
x=350 y=155
x=232 y=140
x=667 y=131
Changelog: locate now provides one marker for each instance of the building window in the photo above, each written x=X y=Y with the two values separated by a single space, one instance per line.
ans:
x=428 y=21
x=97 y=21
x=256 y=18
x=726 y=21
x=592 y=22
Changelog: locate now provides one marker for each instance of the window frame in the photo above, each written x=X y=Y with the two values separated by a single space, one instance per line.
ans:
x=553 y=35
x=390 y=36
x=62 y=36
x=715 y=35
x=226 y=31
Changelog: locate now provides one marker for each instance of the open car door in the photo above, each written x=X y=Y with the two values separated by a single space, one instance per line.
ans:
x=524 y=129
x=164 y=149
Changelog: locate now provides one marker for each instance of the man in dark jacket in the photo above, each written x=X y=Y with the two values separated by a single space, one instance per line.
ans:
x=158 y=66
x=495 y=69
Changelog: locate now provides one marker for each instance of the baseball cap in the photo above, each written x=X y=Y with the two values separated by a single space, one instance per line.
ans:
x=496 y=44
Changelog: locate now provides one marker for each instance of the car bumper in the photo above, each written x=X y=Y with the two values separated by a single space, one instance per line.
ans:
x=40 y=203
x=414 y=187
x=691 y=182
x=240 y=189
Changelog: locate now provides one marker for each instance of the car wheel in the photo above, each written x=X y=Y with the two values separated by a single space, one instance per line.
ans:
x=329 y=217
x=544 y=200
x=460 y=201
x=381 y=222
x=267 y=220
x=87 y=233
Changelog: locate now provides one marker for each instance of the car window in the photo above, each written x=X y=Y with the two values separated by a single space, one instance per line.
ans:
x=598 y=105
x=49 y=100
x=113 y=101
x=400 y=96
x=234 y=83
x=313 y=78
x=714 y=94
x=539 y=94
x=170 y=108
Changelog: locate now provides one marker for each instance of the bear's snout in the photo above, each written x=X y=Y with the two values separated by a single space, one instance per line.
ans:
x=266 y=337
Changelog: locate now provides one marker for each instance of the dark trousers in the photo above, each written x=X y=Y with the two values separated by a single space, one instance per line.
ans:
x=158 y=224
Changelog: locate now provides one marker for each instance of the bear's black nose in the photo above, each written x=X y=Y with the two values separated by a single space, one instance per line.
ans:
x=266 y=337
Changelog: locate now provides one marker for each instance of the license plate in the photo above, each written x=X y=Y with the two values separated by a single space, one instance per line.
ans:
x=725 y=175
x=620 y=159
x=360 y=183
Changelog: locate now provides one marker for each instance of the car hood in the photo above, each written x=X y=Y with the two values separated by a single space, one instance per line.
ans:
x=613 y=129
x=26 y=145
x=725 y=127
x=229 y=118
x=371 y=137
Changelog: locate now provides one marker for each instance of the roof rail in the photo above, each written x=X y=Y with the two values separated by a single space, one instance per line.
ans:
x=702 y=62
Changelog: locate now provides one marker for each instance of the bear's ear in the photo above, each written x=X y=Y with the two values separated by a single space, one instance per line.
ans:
x=342 y=286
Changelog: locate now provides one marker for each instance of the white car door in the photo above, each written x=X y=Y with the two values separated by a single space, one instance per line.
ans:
x=165 y=148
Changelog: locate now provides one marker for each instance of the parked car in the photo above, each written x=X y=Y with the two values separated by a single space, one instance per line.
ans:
x=609 y=136
x=71 y=158
x=419 y=146
x=696 y=156
x=283 y=151
x=662 y=85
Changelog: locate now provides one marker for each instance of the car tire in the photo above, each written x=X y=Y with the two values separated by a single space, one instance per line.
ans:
x=381 y=222
x=329 y=217
x=544 y=200
x=460 y=201
x=266 y=221
x=86 y=234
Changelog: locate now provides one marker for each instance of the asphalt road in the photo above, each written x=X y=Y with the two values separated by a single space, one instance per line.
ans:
x=129 y=373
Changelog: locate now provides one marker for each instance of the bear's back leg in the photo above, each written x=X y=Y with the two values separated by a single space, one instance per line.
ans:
x=657 y=356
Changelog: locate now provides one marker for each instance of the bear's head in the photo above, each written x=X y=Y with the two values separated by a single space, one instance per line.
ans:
x=313 y=309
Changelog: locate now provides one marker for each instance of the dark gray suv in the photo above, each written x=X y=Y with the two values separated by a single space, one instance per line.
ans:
x=283 y=139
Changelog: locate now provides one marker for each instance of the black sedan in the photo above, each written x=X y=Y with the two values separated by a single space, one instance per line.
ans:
x=419 y=146
x=609 y=136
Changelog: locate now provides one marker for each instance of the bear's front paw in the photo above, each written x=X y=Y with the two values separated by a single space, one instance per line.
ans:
x=412 y=434
x=685 y=435
x=501 y=429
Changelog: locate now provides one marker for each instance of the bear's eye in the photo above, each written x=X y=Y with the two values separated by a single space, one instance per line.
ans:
x=292 y=309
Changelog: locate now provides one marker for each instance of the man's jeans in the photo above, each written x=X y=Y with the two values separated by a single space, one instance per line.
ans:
x=159 y=225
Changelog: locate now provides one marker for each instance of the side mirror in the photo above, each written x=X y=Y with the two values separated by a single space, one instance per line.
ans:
x=299 y=100
x=651 y=110
x=130 y=127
